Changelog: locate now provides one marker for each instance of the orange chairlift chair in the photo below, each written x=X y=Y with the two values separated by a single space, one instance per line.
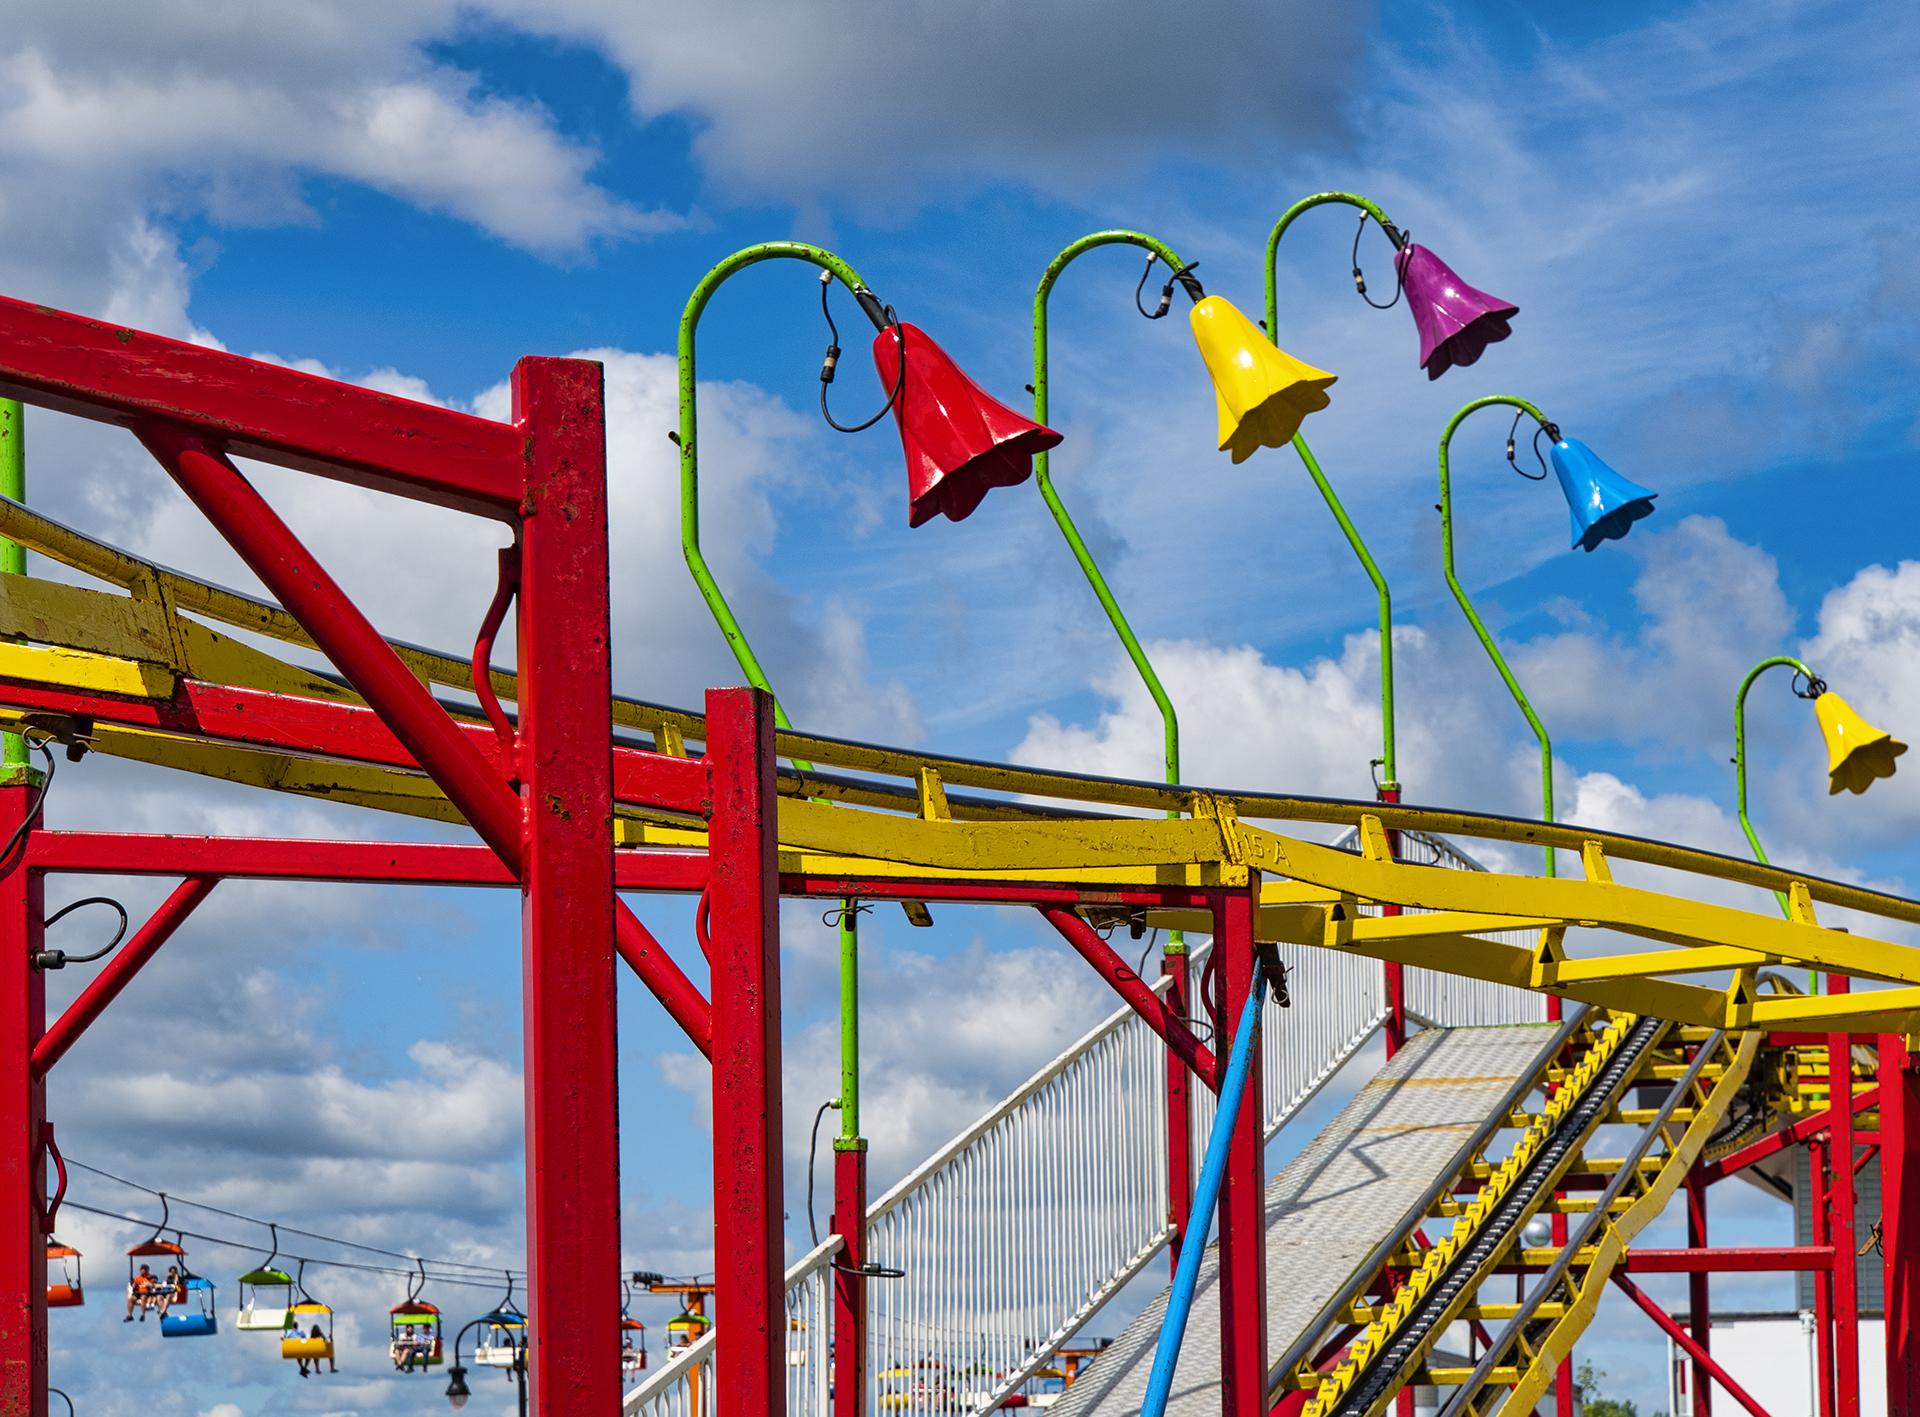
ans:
x=64 y=1290
x=633 y=1339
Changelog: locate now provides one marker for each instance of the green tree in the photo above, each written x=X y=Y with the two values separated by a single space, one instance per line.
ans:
x=1586 y=1386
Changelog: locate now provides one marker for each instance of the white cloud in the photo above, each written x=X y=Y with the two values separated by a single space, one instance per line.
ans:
x=889 y=102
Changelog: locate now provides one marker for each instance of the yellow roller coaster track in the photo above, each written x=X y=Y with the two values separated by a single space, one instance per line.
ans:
x=1536 y=1159
x=855 y=811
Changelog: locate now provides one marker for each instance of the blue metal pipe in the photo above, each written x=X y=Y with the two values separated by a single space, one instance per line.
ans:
x=1206 y=1199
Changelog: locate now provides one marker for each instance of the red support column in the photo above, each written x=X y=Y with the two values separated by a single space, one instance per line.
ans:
x=565 y=764
x=750 y=1360
x=1395 y=973
x=1179 y=1106
x=850 y=1287
x=1846 y=1274
x=1243 y=1239
x=1900 y=1221
x=1822 y=1277
x=1699 y=1324
x=23 y=1014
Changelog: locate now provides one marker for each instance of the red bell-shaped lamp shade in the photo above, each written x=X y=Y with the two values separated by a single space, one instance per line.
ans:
x=960 y=441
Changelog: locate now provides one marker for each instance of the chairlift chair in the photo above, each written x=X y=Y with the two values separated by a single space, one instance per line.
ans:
x=192 y=1314
x=149 y=1254
x=503 y=1335
x=64 y=1290
x=415 y=1343
x=633 y=1338
x=309 y=1329
x=266 y=1295
x=304 y=1318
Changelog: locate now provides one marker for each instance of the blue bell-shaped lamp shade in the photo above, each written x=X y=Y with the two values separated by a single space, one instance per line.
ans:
x=1604 y=504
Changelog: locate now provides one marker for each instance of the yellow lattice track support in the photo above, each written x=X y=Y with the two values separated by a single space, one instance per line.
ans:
x=1572 y=1085
x=859 y=812
x=1515 y=1373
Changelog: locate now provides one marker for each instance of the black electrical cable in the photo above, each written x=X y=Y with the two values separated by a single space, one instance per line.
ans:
x=11 y=850
x=832 y=360
x=1183 y=275
x=60 y=959
x=288 y=1229
x=813 y=1151
x=1539 y=428
x=226 y=1243
x=1360 y=281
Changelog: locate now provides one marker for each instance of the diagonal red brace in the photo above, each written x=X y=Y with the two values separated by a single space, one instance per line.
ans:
x=1687 y=1345
x=118 y=972
x=1137 y=992
x=292 y=574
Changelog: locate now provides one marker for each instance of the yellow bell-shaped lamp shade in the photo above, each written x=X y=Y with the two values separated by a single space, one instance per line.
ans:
x=1857 y=752
x=1260 y=391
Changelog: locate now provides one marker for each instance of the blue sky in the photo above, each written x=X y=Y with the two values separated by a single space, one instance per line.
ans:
x=1703 y=212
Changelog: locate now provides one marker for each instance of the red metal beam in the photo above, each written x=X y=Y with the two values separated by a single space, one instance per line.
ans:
x=1731 y=1259
x=1702 y=1360
x=1846 y=1274
x=1243 y=1239
x=1159 y=1015
x=564 y=817
x=258 y=410
x=849 y=1282
x=1175 y=967
x=1794 y=1134
x=23 y=1165
x=1900 y=1222
x=118 y=972
x=1699 y=1310
x=396 y=863
x=750 y=1360
x=327 y=728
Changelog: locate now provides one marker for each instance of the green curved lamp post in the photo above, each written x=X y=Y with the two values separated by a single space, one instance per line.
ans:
x=716 y=601
x=1390 y=786
x=1043 y=476
x=1473 y=616
x=1778 y=661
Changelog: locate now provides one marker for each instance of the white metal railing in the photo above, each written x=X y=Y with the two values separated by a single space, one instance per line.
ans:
x=684 y=1387
x=1017 y=1230
x=1338 y=1000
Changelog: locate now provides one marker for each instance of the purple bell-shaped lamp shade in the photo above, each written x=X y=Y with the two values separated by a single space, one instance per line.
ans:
x=1456 y=322
x=1604 y=504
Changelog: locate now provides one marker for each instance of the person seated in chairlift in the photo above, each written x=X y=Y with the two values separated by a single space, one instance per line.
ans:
x=317 y=1336
x=140 y=1293
x=409 y=1346
x=166 y=1295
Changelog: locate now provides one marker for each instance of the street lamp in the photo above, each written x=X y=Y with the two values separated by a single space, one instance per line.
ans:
x=959 y=442
x=1604 y=505
x=457 y=1390
x=1858 y=754
x=1455 y=323
x=1260 y=396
